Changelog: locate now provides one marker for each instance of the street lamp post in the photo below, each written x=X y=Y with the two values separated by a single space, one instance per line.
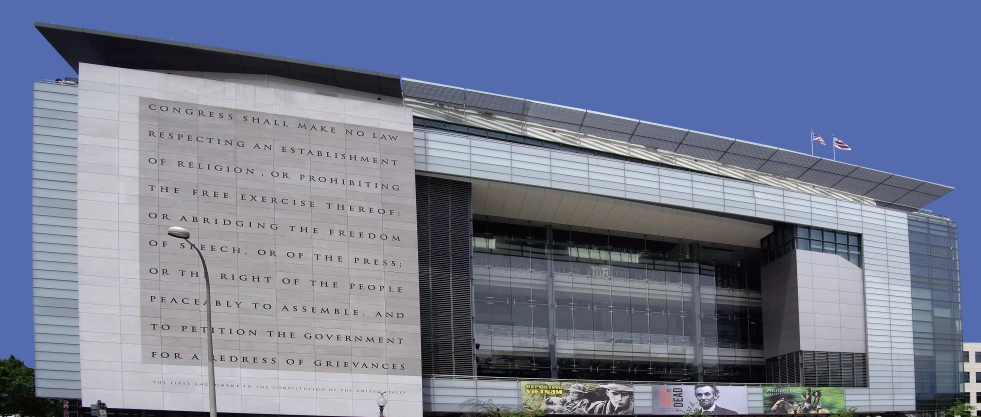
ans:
x=182 y=233
x=382 y=401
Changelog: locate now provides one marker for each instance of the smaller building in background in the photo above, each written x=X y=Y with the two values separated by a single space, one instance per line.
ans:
x=972 y=373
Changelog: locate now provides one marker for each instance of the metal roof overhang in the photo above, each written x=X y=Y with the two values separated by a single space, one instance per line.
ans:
x=112 y=49
x=105 y=48
x=887 y=189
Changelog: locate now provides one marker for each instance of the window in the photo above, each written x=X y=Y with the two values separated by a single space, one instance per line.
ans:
x=967 y=356
x=786 y=238
x=977 y=377
x=977 y=397
x=977 y=357
x=616 y=289
x=967 y=377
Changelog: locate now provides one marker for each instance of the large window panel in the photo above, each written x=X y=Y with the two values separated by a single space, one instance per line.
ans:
x=937 y=312
x=624 y=307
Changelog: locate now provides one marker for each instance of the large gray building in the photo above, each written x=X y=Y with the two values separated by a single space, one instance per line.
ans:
x=368 y=233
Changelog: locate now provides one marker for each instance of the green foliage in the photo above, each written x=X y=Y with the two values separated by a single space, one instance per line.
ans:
x=478 y=408
x=960 y=409
x=17 y=392
x=846 y=412
x=504 y=412
x=693 y=410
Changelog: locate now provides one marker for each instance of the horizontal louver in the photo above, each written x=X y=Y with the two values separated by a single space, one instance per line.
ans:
x=445 y=276
x=819 y=369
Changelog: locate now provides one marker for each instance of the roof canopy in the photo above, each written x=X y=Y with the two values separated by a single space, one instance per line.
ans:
x=885 y=188
x=112 y=49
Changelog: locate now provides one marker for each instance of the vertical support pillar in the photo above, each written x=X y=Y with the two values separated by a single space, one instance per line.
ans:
x=696 y=296
x=473 y=304
x=550 y=280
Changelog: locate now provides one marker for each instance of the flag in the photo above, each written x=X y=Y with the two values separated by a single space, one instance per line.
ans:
x=817 y=138
x=841 y=145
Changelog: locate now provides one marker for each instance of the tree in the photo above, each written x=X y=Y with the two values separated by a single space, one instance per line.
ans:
x=846 y=412
x=17 y=392
x=960 y=409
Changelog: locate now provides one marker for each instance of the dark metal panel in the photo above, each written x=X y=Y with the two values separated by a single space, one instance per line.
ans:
x=742 y=161
x=389 y=86
x=934 y=189
x=552 y=112
x=140 y=54
x=782 y=169
x=655 y=143
x=311 y=72
x=609 y=134
x=903 y=182
x=216 y=59
x=263 y=64
x=794 y=158
x=834 y=167
x=75 y=46
x=867 y=174
x=705 y=140
x=495 y=102
x=552 y=123
x=855 y=185
x=819 y=177
x=354 y=79
x=609 y=122
x=703 y=153
x=104 y=48
x=751 y=149
x=656 y=131
x=434 y=92
x=887 y=193
x=916 y=199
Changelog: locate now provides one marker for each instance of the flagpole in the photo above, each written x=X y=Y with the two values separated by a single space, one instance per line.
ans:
x=812 y=142
x=834 y=153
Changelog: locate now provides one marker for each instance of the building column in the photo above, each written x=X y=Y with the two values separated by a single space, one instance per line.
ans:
x=550 y=282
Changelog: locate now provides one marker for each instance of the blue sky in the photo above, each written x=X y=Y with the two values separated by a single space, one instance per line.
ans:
x=898 y=81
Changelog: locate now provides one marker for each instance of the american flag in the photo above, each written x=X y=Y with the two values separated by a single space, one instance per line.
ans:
x=841 y=145
x=817 y=138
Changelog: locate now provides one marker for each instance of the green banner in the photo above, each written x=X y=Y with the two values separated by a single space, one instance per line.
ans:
x=803 y=400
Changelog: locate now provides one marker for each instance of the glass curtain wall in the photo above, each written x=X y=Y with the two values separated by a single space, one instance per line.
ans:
x=561 y=302
x=937 y=336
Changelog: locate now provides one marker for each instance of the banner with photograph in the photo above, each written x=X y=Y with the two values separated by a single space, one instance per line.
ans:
x=568 y=397
x=710 y=399
x=803 y=400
